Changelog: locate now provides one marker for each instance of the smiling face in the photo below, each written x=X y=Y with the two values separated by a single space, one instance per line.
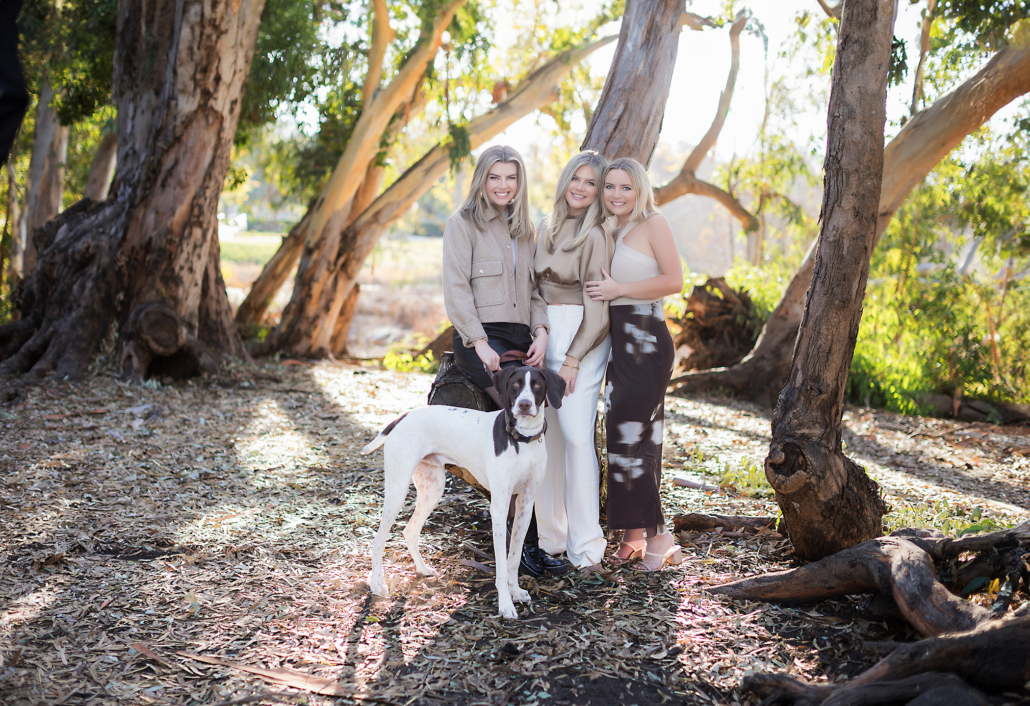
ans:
x=619 y=196
x=502 y=182
x=582 y=190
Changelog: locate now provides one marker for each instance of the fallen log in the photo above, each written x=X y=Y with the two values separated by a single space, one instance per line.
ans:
x=695 y=522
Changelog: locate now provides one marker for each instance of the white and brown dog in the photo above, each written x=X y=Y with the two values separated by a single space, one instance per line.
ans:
x=504 y=450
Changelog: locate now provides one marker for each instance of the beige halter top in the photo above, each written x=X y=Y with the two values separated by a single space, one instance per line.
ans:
x=629 y=265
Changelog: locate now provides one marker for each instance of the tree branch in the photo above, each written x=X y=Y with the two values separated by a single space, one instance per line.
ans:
x=706 y=143
x=382 y=35
x=686 y=182
x=832 y=12
x=924 y=47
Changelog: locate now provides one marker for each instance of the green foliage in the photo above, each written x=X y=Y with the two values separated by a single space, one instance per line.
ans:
x=981 y=24
x=899 y=62
x=748 y=478
x=953 y=520
x=401 y=359
x=70 y=44
x=459 y=147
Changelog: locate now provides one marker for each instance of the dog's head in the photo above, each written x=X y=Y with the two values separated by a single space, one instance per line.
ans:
x=524 y=389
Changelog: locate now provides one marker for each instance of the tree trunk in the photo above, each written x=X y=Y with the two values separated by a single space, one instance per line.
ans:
x=146 y=260
x=309 y=319
x=918 y=147
x=350 y=305
x=628 y=117
x=102 y=169
x=46 y=174
x=359 y=237
x=276 y=271
x=828 y=502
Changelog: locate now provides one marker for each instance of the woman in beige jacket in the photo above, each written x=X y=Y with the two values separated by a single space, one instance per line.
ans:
x=490 y=290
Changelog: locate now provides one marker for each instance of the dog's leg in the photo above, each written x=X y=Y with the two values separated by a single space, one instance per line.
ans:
x=430 y=481
x=499 y=514
x=523 y=512
x=397 y=477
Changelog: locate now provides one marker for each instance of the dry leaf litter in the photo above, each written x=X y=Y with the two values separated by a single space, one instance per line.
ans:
x=207 y=543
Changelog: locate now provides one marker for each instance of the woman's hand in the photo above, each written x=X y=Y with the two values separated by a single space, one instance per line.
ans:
x=568 y=373
x=605 y=290
x=538 y=349
x=491 y=361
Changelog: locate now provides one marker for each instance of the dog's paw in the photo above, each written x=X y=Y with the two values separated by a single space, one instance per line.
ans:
x=507 y=611
x=378 y=587
x=426 y=570
x=520 y=595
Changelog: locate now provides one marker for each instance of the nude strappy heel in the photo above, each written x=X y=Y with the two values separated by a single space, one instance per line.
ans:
x=635 y=555
x=673 y=556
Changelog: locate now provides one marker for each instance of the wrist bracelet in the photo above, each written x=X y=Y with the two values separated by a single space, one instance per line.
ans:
x=566 y=365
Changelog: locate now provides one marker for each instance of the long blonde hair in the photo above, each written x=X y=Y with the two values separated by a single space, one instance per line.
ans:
x=645 y=206
x=594 y=215
x=517 y=212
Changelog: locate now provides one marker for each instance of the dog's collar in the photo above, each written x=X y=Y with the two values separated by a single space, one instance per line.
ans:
x=509 y=427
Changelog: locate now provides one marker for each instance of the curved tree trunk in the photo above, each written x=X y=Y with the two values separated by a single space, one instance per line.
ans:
x=307 y=323
x=918 y=147
x=146 y=260
x=828 y=502
x=46 y=174
x=628 y=117
x=102 y=169
x=359 y=237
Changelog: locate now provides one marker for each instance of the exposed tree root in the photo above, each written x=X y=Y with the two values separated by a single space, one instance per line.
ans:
x=719 y=325
x=963 y=639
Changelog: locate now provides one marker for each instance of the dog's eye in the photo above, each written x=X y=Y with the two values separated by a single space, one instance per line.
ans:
x=536 y=384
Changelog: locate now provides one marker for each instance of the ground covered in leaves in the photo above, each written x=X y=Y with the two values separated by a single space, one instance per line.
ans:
x=207 y=543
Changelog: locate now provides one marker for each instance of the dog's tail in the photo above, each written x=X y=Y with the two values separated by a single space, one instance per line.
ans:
x=381 y=438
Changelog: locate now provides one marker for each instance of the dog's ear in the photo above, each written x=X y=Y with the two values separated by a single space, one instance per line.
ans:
x=501 y=379
x=555 y=387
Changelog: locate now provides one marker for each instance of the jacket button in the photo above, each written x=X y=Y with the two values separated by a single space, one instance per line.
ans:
x=480 y=272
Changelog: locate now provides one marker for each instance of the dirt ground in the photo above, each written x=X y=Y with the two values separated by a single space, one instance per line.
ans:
x=207 y=543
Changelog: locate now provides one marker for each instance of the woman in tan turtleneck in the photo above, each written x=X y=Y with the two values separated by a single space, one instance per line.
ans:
x=572 y=248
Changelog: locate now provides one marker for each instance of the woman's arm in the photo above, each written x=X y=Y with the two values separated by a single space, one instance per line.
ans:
x=457 y=290
x=659 y=236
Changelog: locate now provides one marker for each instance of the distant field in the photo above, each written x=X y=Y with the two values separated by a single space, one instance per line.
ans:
x=249 y=247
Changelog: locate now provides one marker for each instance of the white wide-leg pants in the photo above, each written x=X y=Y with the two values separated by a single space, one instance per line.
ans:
x=567 y=512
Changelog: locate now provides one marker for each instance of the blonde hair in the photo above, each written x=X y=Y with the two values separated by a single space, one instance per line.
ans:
x=594 y=215
x=517 y=212
x=645 y=206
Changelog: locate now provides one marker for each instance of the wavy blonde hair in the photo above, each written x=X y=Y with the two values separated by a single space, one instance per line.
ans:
x=645 y=205
x=517 y=212
x=594 y=215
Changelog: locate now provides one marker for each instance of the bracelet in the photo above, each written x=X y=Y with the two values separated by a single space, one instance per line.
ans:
x=566 y=365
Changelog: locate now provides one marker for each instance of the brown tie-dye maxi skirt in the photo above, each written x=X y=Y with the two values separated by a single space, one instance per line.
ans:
x=638 y=374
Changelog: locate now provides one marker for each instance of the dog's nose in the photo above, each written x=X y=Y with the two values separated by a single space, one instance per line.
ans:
x=524 y=406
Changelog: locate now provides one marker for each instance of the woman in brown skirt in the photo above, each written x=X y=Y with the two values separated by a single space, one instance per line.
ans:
x=645 y=268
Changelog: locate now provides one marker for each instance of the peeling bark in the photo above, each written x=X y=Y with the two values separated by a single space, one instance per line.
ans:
x=918 y=147
x=146 y=260
x=629 y=114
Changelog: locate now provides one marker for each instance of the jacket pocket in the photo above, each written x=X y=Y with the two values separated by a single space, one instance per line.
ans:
x=487 y=282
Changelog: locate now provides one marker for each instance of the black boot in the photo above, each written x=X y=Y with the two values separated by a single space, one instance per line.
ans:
x=535 y=561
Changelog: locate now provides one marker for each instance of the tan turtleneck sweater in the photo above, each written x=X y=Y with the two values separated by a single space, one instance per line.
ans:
x=562 y=275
